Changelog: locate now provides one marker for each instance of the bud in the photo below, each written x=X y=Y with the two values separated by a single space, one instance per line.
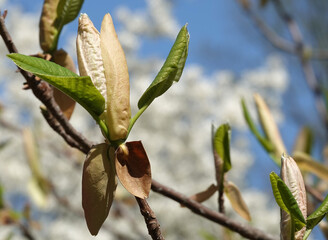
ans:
x=101 y=57
x=48 y=31
x=291 y=175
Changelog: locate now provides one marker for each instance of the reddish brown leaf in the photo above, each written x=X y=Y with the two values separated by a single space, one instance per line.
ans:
x=98 y=186
x=133 y=168
x=65 y=103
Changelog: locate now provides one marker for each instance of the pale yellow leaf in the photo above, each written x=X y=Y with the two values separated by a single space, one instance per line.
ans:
x=236 y=200
x=269 y=125
x=306 y=163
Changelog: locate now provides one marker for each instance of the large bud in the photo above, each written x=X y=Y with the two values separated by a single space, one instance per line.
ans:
x=101 y=57
x=291 y=175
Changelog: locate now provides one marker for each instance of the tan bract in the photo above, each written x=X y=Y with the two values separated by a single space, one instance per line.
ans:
x=117 y=80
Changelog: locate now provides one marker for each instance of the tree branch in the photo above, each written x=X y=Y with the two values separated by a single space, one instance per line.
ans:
x=153 y=226
x=43 y=92
x=199 y=209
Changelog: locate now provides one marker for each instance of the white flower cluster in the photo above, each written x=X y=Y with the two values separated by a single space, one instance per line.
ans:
x=175 y=131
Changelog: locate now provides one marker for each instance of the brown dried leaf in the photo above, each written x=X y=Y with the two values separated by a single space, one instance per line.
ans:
x=98 y=186
x=204 y=195
x=133 y=168
x=65 y=103
x=236 y=200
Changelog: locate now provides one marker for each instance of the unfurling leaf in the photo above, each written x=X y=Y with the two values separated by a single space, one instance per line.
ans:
x=264 y=142
x=81 y=89
x=171 y=70
x=308 y=164
x=98 y=186
x=67 y=11
x=317 y=215
x=236 y=200
x=65 y=103
x=55 y=14
x=117 y=81
x=133 y=168
x=290 y=195
x=304 y=141
x=48 y=33
x=204 y=195
x=222 y=145
x=269 y=126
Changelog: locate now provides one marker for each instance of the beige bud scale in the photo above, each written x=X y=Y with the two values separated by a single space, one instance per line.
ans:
x=101 y=57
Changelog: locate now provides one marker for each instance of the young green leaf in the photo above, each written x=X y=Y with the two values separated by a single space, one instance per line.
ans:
x=171 y=70
x=274 y=184
x=98 y=186
x=317 y=215
x=2 y=202
x=263 y=141
x=67 y=11
x=222 y=145
x=285 y=199
x=291 y=204
x=81 y=89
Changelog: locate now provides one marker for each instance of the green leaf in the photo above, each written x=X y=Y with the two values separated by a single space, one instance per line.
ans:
x=317 y=215
x=2 y=204
x=286 y=200
x=222 y=145
x=266 y=144
x=276 y=193
x=81 y=89
x=291 y=204
x=67 y=11
x=171 y=70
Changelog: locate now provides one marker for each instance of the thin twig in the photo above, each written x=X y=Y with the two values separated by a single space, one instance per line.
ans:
x=153 y=226
x=306 y=65
x=57 y=127
x=281 y=43
x=43 y=92
x=199 y=209
x=218 y=166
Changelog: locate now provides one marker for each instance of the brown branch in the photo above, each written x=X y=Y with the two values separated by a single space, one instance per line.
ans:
x=306 y=65
x=281 y=43
x=214 y=216
x=57 y=127
x=153 y=226
x=43 y=92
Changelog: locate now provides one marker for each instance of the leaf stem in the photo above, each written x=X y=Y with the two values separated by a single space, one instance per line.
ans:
x=135 y=117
